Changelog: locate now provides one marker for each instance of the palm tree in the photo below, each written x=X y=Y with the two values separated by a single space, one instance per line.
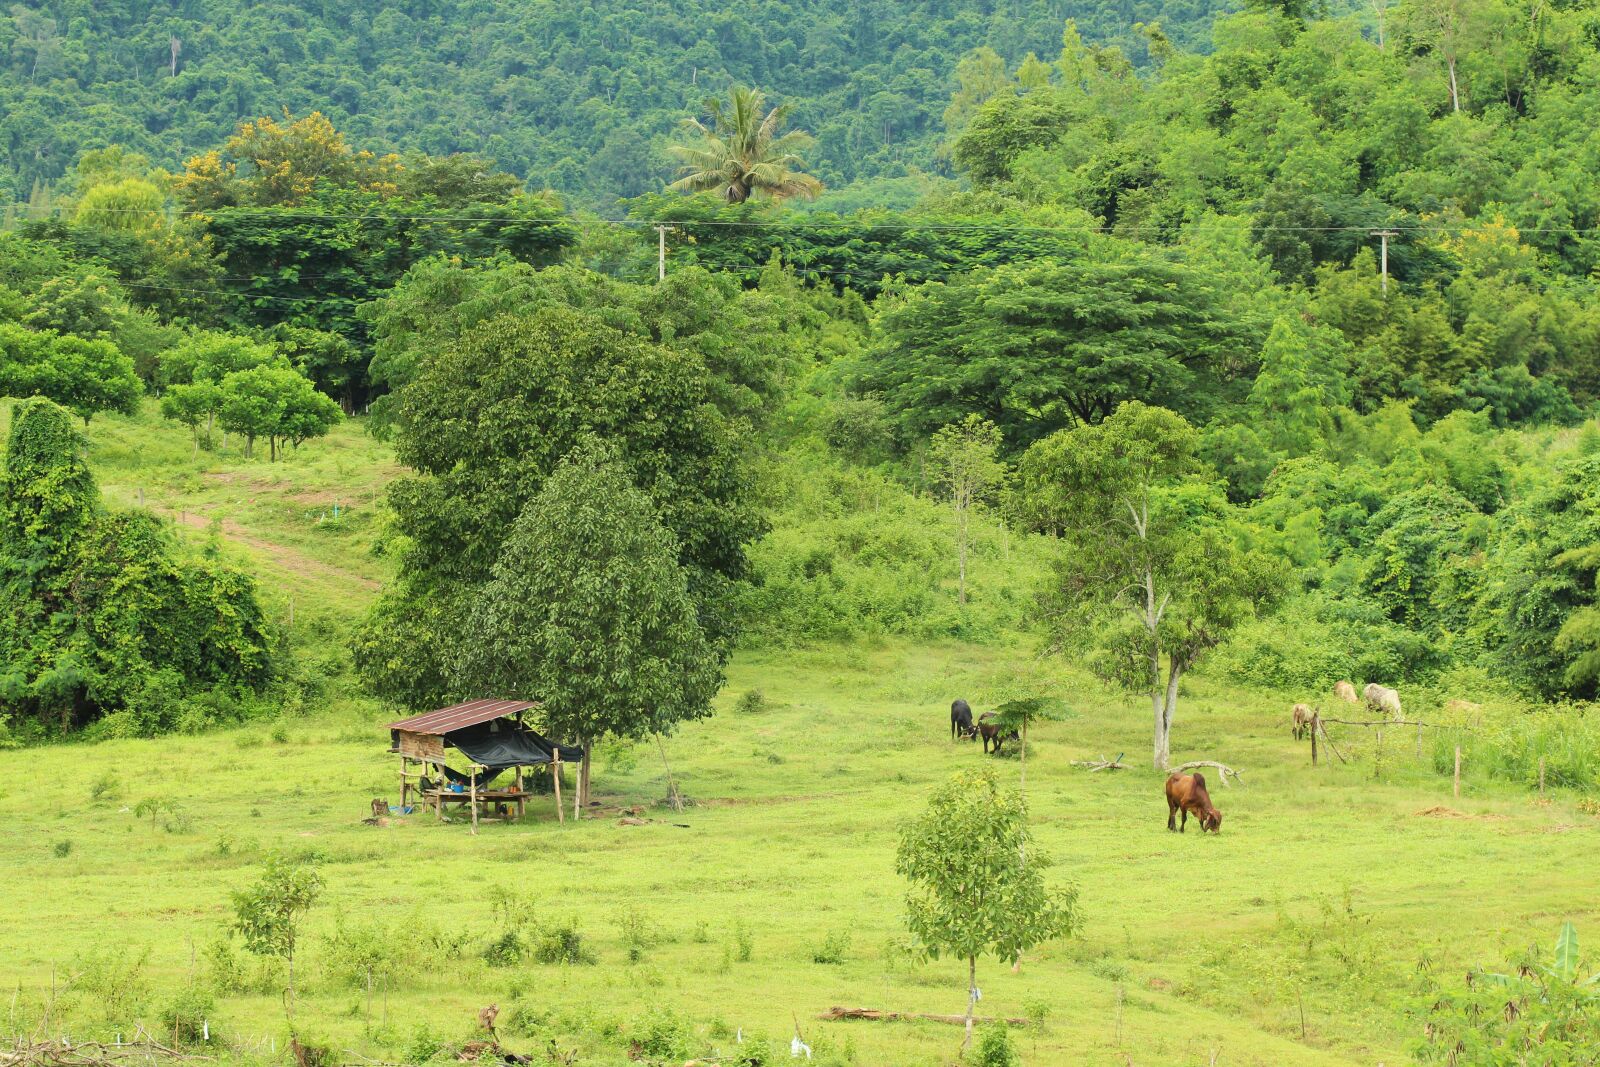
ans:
x=742 y=154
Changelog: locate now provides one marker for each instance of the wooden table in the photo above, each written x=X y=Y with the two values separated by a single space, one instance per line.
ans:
x=440 y=797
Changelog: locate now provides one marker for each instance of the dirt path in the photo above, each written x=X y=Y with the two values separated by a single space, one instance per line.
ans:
x=280 y=556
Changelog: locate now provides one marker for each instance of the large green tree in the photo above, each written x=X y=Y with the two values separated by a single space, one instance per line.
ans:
x=589 y=613
x=1154 y=567
x=1042 y=346
x=85 y=375
x=485 y=419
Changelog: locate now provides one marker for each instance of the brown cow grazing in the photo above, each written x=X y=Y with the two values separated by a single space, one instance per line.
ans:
x=1302 y=720
x=989 y=730
x=1346 y=692
x=1186 y=793
x=1384 y=700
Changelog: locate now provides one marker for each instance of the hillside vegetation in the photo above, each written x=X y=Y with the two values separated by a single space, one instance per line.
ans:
x=574 y=99
x=1196 y=382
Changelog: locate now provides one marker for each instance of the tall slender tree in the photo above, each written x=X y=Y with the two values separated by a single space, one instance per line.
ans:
x=965 y=460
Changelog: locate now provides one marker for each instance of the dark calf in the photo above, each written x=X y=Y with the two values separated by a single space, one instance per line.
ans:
x=960 y=721
x=991 y=733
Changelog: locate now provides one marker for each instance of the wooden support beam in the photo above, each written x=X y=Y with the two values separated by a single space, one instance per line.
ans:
x=555 y=771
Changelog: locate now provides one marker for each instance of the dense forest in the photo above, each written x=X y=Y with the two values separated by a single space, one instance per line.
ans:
x=573 y=98
x=1197 y=239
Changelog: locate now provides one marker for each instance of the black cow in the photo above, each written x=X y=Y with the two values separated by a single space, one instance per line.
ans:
x=961 y=721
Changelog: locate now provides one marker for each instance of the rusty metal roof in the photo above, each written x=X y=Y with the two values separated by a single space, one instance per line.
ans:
x=457 y=716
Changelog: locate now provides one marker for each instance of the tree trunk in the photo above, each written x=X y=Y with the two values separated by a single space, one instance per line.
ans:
x=961 y=561
x=1171 y=707
x=1158 y=705
x=672 y=786
x=1455 y=93
x=972 y=1000
x=1022 y=763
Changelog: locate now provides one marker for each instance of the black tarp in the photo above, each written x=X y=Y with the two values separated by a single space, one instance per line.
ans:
x=503 y=743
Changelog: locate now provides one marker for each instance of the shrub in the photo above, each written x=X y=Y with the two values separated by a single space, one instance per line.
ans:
x=424 y=1045
x=994 y=1048
x=355 y=954
x=106 y=788
x=561 y=942
x=661 y=1033
x=1316 y=641
x=225 y=971
x=1510 y=748
x=750 y=702
x=1546 y=1010
x=506 y=950
x=62 y=849
x=184 y=1017
x=834 y=948
x=743 y=945
x=639 y=934
x=114 y=981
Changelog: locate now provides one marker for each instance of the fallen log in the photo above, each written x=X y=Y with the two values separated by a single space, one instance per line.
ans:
x=1223 y=767
x=836 y=1013
x=1102 y=764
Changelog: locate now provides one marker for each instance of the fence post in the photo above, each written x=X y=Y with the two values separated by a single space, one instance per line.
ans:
x=1541 y=776
x=1458 y=773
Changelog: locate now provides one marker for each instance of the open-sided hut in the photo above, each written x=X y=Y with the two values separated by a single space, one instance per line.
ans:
x=491 y=737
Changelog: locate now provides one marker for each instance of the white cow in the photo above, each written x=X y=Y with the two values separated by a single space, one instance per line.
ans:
x=1384 y=700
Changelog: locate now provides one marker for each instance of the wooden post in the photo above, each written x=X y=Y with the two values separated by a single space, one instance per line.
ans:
x=1458 y=773
x=438 y=792
x=472 y=795
x=1541 y=776
x=1316 y=724
x=403 y=784
x=1419 y=741
x=555 y=780
x=521 y=803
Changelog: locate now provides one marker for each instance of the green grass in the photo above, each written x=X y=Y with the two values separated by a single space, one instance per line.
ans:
x=1192 y=943
x=1329 y=890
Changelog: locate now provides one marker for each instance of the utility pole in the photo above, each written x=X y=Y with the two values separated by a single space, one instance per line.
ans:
x=661 y=253
x=1383 y=254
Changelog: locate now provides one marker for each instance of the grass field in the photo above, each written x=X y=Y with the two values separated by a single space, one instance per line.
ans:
x=1299 y=935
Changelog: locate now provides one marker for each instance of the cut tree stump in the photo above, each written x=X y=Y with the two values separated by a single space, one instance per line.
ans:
x=874 y=1014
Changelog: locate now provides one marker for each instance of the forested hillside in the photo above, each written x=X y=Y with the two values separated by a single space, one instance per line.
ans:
x=572 y=97
x=1153 y=390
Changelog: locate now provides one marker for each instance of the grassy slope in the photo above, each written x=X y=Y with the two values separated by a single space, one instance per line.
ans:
x=1191 y=944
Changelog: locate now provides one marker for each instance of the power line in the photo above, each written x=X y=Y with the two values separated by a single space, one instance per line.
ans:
x=290 y=214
